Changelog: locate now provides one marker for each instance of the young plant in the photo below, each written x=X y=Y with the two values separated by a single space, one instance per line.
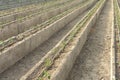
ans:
x=45 y=75
x=48 y=62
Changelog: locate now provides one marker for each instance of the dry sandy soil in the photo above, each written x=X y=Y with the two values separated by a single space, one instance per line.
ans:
x=93 y=62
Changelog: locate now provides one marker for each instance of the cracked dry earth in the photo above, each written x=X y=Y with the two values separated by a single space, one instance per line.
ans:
x=93 y=62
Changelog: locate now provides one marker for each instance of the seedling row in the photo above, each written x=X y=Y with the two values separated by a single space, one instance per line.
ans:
x=35 y=29
x=19 y=27
x=117 y=36
x=34 y=40
x=26 y=8
x=55 y=52
x=7 y=20
x=22 y=15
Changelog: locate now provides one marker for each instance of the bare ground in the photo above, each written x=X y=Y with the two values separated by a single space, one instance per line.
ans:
x=93 y=62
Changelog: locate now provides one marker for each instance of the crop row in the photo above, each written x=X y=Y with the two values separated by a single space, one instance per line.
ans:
x=11 y=54
x=55 y=52
x=117 y=13
x=8 y=19
x=117 y=21
x=19 y=27
x=30 y=16
x=25 y=8
x=117 y=37
x=34 y=29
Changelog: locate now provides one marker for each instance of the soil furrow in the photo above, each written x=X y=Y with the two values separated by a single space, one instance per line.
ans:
x=94 y=61
x=24 y=65
x=16 y=27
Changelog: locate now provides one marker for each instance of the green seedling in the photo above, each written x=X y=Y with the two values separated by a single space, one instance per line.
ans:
x=45 y=75
x=48 y=62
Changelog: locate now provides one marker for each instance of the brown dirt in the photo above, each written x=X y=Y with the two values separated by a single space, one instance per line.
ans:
x=94 y=61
